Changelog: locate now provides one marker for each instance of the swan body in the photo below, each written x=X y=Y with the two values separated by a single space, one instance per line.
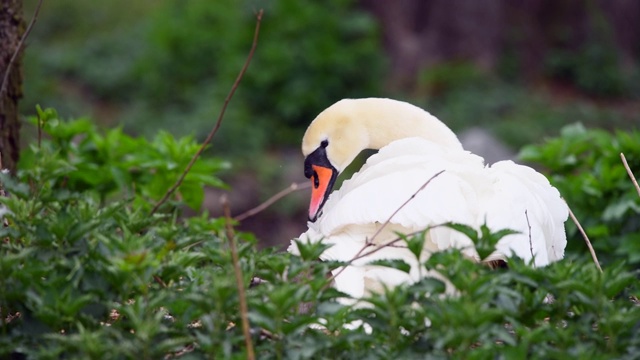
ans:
x=413 y=147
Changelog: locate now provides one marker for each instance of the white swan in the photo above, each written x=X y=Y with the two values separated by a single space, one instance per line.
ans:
x=414 y=146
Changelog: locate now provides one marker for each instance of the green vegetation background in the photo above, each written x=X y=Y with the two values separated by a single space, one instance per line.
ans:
x=168 y=65
x=93 y=275
x=151 y=65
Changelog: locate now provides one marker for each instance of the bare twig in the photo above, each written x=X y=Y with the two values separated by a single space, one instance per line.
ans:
x=403 y=205
x=220 y=116
x=526 y=214
x=291 y=188
x=388 y=244
x=361 y=254
x=369 y=242
x=159 y=281
x=244 y=310
x=7 y=71
x=586 y=238
x=633 y=179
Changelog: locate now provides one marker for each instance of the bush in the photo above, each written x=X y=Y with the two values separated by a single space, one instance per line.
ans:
x=587 y=169
x=86 y=272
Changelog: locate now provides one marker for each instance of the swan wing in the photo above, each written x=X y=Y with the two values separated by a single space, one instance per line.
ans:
x=395 y=175
x=523 y=200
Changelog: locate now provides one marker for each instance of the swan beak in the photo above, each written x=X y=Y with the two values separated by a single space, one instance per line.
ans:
x=322 y=181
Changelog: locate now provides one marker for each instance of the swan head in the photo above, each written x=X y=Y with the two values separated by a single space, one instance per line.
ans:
x=329 y=145
x=340 y=132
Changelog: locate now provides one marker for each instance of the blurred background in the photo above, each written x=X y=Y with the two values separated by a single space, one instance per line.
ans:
x=500 y=73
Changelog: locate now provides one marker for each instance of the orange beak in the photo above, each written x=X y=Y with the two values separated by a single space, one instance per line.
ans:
x=322 y=181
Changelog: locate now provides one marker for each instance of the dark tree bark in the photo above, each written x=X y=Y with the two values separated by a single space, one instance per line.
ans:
x=12 y=27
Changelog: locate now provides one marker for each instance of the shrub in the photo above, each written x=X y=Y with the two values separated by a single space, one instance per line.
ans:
x=86 y=272
x=586 y=167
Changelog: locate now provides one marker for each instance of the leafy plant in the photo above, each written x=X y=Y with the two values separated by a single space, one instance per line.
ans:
x=85 y=272
x=116 y=164
x=586 y=167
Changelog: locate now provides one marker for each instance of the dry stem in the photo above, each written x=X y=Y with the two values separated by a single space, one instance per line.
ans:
x=244 y=310
x=220 y=116
x=361 y=254
x=586 y=238
x=7 y=71
x=633 y=179
x=403 y=205
x=291 y=188
x=526 y=214
x=159 y=281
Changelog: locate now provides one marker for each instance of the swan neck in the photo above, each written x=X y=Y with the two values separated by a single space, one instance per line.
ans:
x=391 y=124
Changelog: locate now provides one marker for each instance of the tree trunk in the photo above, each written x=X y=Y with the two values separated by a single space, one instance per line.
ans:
x=11 y=28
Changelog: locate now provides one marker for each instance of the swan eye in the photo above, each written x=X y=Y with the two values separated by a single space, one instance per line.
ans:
x=324 y=143
x=316 y=181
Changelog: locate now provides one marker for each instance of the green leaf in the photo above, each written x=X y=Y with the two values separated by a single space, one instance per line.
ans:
x=470 y=232
x=310 y=250
x=415 y=243
x=397 y=264
x=573 y=130
x=192 y=194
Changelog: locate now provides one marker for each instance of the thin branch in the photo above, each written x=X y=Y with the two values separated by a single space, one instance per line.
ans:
x=291 y=188
x=526 y=214
x=244 y=310
x=633 y=179
x=220 y=116
x=159 y=281
x=361 y=253
x=5 y=79
x=388 y=244
x=369 y=242
x=586 y=238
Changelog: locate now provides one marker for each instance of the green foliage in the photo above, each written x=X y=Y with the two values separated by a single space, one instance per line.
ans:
x=463 y=98
x=169 y=65
x=594 y=69
x=485 y=241
x=116 y=164
x=587 y=169
x=85 y=272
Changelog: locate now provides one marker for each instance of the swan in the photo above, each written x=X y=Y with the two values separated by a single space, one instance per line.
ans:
x=414 y=146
